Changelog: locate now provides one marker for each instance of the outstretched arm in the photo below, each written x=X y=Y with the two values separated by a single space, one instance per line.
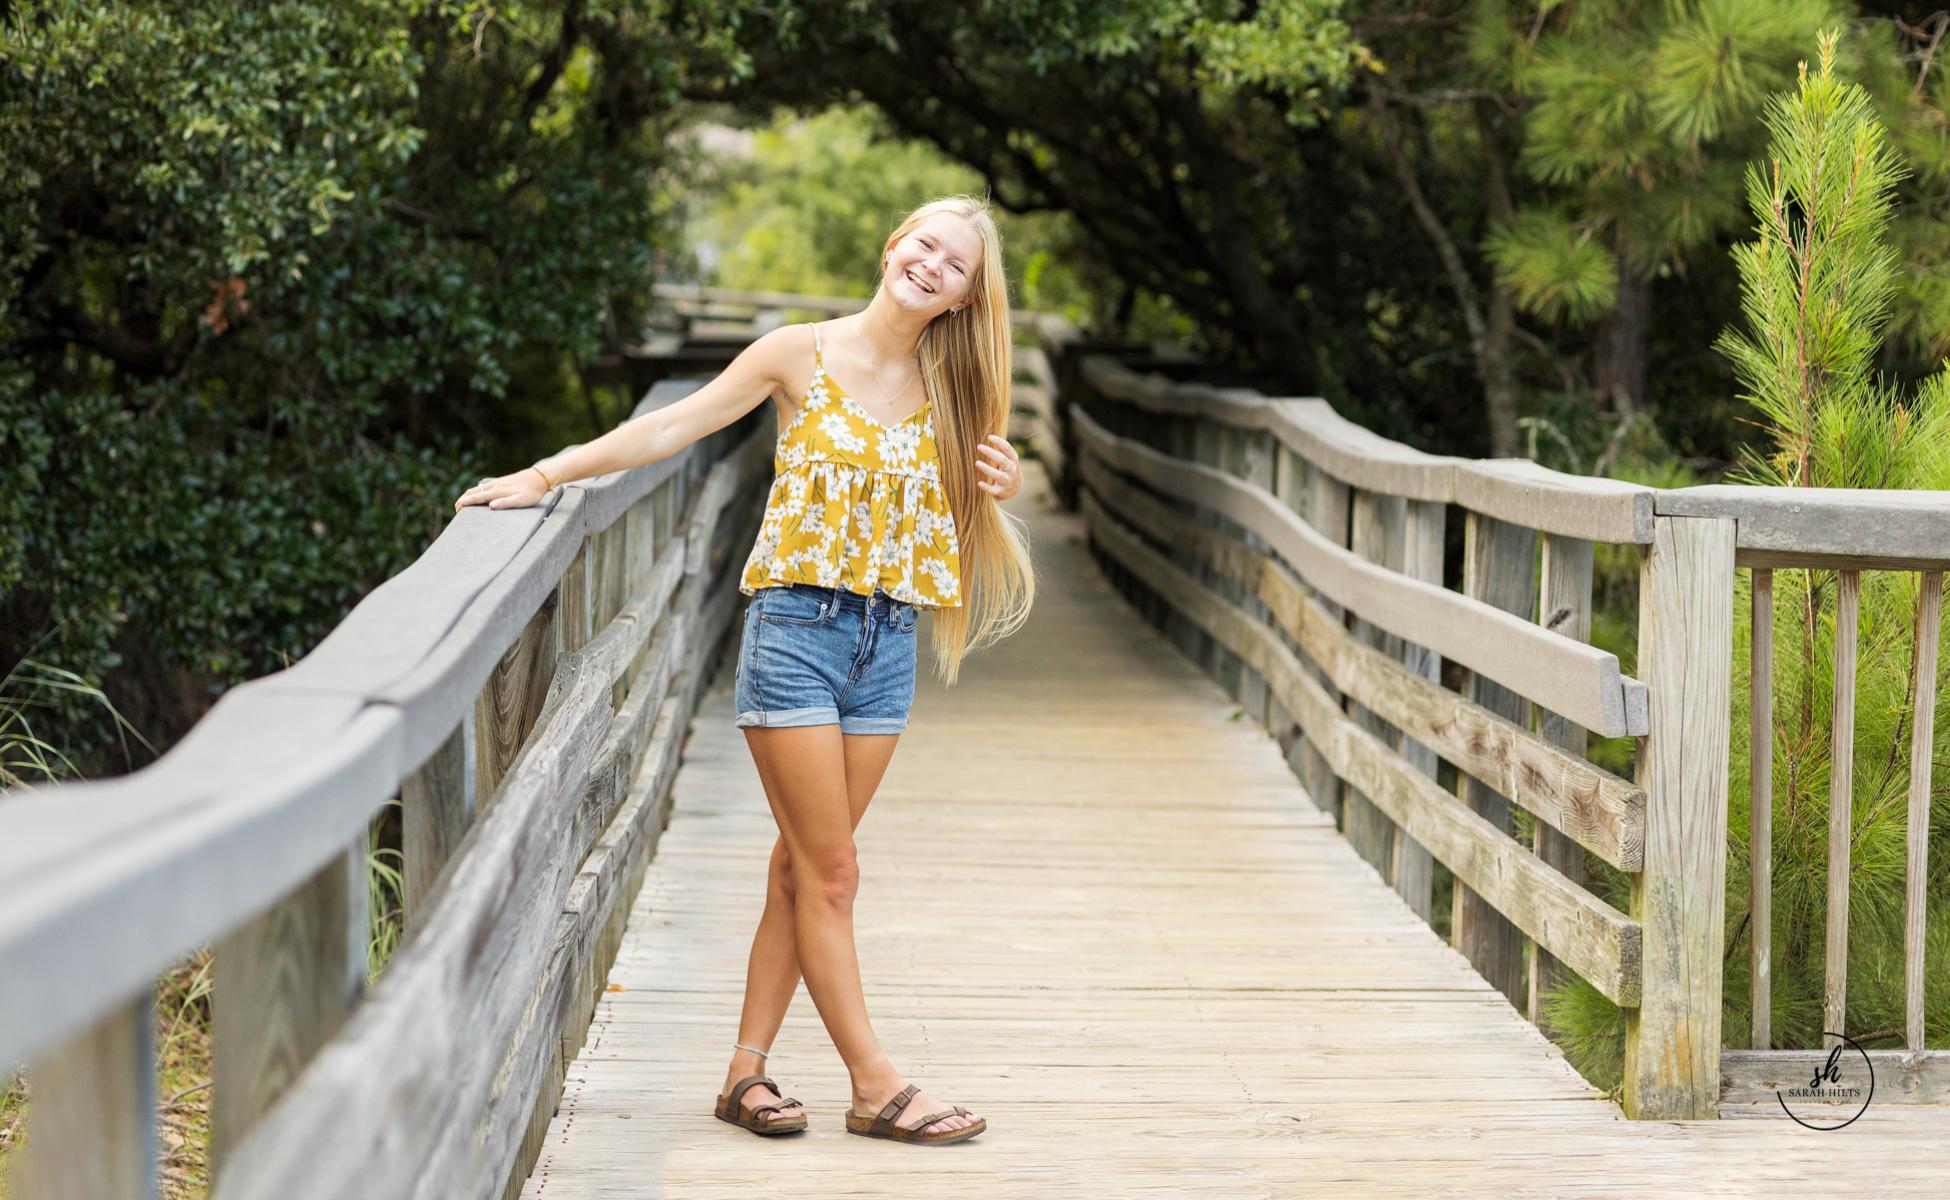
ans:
x=762 y=369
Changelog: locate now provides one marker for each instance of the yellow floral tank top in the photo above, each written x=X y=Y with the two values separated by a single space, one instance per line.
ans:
x=857 y=505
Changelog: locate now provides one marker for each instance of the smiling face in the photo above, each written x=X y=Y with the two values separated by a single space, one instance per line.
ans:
x=931 y=268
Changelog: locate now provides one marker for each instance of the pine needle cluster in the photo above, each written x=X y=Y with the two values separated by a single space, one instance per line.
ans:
x=1643 y=112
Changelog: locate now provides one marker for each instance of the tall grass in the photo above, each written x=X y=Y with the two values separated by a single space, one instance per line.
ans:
x=385 y=891
x=30 y=689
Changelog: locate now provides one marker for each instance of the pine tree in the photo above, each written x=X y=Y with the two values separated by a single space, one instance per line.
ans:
x=1643 y=112
x=1818 y=286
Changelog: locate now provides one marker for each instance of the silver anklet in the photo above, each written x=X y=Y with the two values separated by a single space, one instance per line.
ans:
x=741 y=1046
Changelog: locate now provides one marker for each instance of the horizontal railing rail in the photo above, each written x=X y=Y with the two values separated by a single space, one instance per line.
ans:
x=1573 y=678
x=523 y=688
x=1299 y=558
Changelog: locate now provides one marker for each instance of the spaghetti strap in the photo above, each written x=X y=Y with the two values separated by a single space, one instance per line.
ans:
x=817 y=361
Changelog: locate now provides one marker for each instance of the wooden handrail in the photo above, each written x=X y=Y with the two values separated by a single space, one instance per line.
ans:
x=243 y=824
x=1577 y=680
x=1514 y=490
x=1048 y=326
x=98 y=886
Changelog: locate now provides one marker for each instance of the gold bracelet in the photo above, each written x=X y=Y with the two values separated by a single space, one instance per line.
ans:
x=544 y=474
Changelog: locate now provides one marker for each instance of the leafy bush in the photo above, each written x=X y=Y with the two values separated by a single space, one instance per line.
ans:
x=275 y=277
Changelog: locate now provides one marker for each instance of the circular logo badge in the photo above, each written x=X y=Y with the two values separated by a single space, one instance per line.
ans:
x=1840 y=1091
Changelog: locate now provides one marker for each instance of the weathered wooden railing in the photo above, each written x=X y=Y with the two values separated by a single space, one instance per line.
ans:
x=1299 y=559
x=524 y=689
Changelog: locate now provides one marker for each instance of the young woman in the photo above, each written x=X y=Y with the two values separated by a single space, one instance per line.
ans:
x=891 y=457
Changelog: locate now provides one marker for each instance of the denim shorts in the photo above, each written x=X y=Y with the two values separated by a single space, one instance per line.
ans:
x=826 y=656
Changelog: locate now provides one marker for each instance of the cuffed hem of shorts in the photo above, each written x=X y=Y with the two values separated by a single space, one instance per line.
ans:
x=873 y=724
x=790 y=718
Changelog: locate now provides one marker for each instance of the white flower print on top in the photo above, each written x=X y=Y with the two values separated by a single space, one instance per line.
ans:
x=900 y=446
x=841 y=433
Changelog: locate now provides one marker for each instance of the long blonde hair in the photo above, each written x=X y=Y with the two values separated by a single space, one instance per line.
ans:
x=966 y=369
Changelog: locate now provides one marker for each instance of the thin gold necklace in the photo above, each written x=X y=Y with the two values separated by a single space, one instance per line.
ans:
x=904 y=386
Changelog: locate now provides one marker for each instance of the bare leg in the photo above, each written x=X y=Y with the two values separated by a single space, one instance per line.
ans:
x=806 y=776
x=772 y=974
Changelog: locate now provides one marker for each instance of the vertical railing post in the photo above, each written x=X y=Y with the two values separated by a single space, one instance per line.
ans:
x=1760 y=813
x=575 y=598
x=1500 y=569
x=1211 y=656
x=1421 y=559
x=1929 y=621
x=1378 y=533
x=512 y=699
x=1287 y=486
x=1566 y=610
x=284 y=984
x=1328 y=502
x=1841 y=808
x=436 y=808
x=91 y=1127
x=1685 y=659
x=1257 y=453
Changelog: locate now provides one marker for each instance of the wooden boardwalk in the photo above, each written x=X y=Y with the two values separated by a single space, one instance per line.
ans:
x=1164 y=974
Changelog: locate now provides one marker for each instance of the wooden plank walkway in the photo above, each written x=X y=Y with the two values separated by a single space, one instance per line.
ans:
x=1166 y=974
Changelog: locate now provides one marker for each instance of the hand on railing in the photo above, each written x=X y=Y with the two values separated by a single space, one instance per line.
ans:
x=523 y=489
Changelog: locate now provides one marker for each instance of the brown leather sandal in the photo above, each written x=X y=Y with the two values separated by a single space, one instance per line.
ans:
x=754 y=1119
x=883 y=1125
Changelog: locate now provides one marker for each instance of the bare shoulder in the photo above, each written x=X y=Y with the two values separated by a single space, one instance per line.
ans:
x=783 y=359
x=785 y=353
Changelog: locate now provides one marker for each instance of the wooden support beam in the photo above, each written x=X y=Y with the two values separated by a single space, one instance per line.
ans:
x=512 y=699
x=609 y=553
x=1672 y=1038
x=1841 y=808
x=1902 y=1076
x=1377 y=532
x=284 y=984
x=436 y=807
x=1500 y=569
x=1922 y=722
x=1760 y=813
x=91 y=1127
x=1329 y=505
x=1566 y=609
x=1421 y=559
x=573 y=612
